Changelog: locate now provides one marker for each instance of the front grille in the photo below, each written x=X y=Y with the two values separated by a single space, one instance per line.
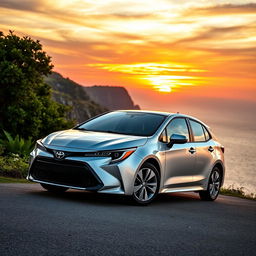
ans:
x=67 y=153
x=65 y=172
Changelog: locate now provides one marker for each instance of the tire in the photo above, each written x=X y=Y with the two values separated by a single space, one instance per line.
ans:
x=146 y=184
x=53 y=189
x=213 y=187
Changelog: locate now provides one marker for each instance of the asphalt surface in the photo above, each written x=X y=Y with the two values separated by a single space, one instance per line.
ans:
x=35 y=222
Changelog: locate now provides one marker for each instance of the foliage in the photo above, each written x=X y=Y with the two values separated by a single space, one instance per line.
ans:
x=2 y=149
x=237 y=192
x=13 y=180
x=26 y=107
x=17 y=145
x=13 y=166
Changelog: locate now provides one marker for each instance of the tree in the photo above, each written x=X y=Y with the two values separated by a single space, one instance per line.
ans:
x=26 y=107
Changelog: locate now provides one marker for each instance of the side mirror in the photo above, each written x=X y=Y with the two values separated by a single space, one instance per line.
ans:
x=177 y=139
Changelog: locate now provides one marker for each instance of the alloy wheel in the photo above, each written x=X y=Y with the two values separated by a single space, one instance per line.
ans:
x=145 y=186
x=214 y=184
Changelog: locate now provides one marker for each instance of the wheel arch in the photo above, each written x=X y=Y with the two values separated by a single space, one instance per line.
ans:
x=221 y=167
x=154 y=161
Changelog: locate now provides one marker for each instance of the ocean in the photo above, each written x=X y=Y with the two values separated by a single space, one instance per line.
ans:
x=240 y=152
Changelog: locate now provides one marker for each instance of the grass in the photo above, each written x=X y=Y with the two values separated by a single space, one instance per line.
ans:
x=237 y=192
x=12 y=180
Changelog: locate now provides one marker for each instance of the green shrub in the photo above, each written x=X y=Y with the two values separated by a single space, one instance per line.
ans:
x=26 y=106
x=2 y=149
x=13 y=166
x=17 y=145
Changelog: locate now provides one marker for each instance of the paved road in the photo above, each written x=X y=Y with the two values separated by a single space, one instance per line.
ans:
x=35 y=222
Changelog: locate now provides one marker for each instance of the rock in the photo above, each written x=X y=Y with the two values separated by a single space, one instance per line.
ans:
x=86 y=102
x=111 y=97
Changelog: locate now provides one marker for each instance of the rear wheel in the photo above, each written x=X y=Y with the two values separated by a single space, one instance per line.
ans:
x=54 y=189
x=213 y=188
x=146 y=184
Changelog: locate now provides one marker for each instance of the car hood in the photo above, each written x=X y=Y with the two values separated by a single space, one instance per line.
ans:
x=88 y=140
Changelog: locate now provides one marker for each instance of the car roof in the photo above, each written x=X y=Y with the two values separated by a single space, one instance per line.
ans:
x=147 y=111
x=164 y=113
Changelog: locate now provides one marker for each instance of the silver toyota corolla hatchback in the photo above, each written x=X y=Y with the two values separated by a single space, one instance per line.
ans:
x=134 y=153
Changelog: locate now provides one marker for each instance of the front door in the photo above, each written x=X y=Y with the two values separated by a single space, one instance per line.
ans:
x=180 y=158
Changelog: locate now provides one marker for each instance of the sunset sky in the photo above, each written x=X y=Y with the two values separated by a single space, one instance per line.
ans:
x=157 y=49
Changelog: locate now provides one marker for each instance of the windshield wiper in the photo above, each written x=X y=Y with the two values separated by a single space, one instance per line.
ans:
x=107 y=131
x=112 y=132
x=129 y=134
x=82 y=129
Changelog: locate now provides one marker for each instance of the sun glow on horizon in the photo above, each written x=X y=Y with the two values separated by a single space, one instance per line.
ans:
x=160 y=76
x=163 y=88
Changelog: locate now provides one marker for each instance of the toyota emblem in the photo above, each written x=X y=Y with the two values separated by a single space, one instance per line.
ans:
x=59 y=154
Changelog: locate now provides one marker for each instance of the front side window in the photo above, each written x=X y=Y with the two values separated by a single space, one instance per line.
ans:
x=198 y=131
x=130 y=123
x=177 y=126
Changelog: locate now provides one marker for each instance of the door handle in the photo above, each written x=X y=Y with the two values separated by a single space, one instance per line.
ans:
x=211 y=149
x=192 y=150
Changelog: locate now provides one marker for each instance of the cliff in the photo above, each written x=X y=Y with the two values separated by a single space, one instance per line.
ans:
x=86 y=102
x=111 y=97
x=67 y=92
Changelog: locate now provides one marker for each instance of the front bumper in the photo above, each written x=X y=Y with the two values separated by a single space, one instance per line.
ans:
x=66 y=172
x=84 y=173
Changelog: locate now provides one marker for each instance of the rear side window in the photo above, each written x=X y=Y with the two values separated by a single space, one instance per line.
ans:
x=177 y=126
x=206 y=134
x=198 y=131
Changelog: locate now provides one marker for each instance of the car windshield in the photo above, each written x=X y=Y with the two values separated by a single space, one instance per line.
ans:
x=130 y=123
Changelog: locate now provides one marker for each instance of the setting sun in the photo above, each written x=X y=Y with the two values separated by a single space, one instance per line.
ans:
x=163 y=88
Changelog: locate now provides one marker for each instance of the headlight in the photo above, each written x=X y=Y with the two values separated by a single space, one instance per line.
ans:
x=116 y=156
x=39 y=145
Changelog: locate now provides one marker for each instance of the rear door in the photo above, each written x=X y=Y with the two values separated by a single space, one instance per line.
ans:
x=204 y=147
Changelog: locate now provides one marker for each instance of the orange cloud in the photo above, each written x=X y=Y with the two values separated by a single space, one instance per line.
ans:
x=189 y=47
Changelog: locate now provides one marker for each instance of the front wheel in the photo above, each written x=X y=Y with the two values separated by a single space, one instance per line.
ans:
x=213 y=188
x=146 y=184
x=54 y=189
